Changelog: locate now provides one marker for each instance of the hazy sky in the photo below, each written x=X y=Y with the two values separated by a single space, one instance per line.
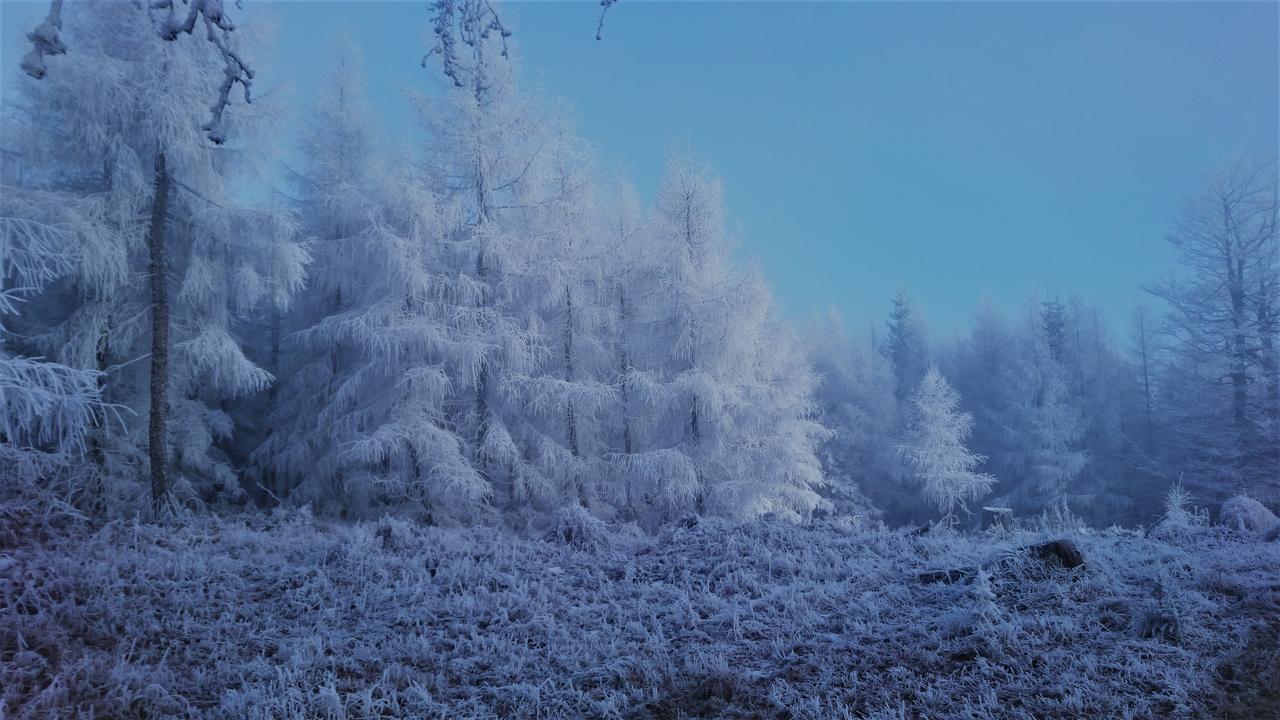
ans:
x=963 y=150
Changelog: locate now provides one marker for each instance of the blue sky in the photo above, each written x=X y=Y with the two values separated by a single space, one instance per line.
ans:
x=966 y=151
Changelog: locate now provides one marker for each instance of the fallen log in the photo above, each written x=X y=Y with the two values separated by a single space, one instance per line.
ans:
x=1061 y=552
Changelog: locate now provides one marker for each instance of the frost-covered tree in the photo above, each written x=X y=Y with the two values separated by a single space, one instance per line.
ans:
x=904 y=345
x=168 y=20
x=857 y=403
x=1220 y=330
x=1046 y=417
x=934 y=448
x=487 y=151
x=1143 y=356
x=1053 y=325
x=168 y=260
x=738 y=391
x=1105 y=388
x=384 y=435
x=46 y=408
x=359 y=422
x=1030 y=423
x=568 y=394
x=632 y=274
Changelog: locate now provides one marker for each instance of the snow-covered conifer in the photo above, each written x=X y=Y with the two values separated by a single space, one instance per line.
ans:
x=934 y=447
x=106 y=119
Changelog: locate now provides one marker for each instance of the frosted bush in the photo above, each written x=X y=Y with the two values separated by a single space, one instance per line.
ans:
x=576 y=527
x=1247 y=515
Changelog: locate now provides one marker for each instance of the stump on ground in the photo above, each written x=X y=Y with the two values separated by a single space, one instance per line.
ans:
x=997 y=517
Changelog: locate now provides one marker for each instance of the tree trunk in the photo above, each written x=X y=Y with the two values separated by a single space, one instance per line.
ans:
x=997 y=517
x=624 y=369
x=1267 y=322
x=570 y=422
x=482 y=386
x=96 y=449
x=571 y=425
x=1146 y=379
x=157 y=430
x=1239 y=363
x=482 y=219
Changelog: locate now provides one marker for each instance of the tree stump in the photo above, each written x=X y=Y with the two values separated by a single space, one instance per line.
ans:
x=997 y=517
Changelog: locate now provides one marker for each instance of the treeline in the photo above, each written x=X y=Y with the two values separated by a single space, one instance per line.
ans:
x=487 y=328
x=483 y=327
x=1072 y=417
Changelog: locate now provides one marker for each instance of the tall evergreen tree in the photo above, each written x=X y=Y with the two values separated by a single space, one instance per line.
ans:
x=168 y=289
x=904 y=345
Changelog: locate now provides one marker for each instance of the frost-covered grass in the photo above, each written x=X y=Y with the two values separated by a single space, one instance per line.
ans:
x=288 y=616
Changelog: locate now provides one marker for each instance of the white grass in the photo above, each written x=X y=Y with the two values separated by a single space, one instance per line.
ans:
x=290 y=617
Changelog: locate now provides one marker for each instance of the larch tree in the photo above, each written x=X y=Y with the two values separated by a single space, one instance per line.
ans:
x=1042 y=419
x=856 y=402
x=1142 y=352
x=167 y=20
x=630 y=279
x=362 y=422
x=486 y=146
x=165 y=247
x=734 y=374
x=1220 y=328
x=569 y=393
x=47 y=409
x=934 y=448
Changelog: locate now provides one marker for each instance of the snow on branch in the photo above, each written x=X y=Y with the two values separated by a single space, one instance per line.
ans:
x=45 y=40
x=46 y=404
x=210 y=14
x=468 y=21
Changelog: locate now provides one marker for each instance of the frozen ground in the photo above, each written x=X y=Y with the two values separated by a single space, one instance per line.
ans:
x=290 y=617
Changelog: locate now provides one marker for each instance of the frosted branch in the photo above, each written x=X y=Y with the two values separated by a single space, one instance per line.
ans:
x=468 y=21
x=45 y=40
x=604 y=10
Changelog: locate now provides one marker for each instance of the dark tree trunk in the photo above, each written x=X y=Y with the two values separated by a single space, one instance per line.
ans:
x=1267 y=326
x=1239 y=363
x=1146 y=382
x=96 y=449
x=571 y=425
x=624 y=369
x=157 y=427
x=482 y=385
x=570 y=421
